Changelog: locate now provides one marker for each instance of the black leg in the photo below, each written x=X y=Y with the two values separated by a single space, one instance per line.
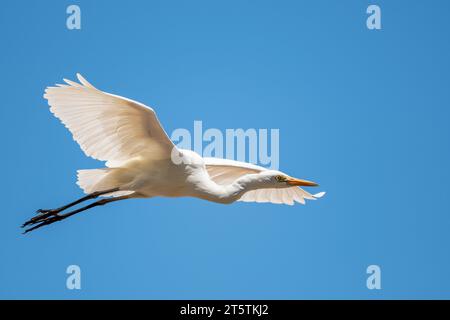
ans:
x=58 y=217
x=43 y=213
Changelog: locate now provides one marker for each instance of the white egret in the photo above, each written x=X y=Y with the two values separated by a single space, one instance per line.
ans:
x=142 y=162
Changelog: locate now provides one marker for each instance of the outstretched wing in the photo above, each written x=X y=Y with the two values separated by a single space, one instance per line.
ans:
x=283 y=196
x=108 y=127
x=224 y=171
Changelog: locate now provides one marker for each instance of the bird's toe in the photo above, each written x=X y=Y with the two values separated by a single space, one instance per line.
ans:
x=44 y=211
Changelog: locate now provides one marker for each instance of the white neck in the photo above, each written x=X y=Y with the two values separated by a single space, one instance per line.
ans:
x=209 y=190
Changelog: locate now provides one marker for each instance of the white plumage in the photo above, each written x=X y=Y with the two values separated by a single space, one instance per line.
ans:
x=140 y=157
x=224 y=171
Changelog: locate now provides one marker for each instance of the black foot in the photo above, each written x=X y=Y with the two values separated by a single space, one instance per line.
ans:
x=41 y=221
x=45 y=210
x=42 y=215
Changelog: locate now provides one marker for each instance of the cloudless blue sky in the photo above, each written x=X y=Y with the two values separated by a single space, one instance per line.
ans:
x=364 y=113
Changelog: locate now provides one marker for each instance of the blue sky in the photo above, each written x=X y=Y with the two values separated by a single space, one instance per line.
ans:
x=364 y=113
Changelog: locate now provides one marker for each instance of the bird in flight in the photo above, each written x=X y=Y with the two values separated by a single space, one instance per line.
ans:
x=142 y=162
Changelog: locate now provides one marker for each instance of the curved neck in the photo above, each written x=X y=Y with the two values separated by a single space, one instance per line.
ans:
x=209 y=190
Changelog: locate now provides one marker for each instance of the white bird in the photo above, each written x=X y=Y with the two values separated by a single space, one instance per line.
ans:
x=142 y=162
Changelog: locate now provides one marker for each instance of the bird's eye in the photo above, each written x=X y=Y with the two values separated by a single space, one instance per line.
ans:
x=279 y=178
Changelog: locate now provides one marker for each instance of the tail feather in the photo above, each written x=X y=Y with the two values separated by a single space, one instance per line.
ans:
x=92 y=180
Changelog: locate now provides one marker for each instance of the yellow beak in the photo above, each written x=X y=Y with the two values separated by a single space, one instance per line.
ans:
x=300 y=182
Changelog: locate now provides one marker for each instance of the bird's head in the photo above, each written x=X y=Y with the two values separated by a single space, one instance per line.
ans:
x=276 y=179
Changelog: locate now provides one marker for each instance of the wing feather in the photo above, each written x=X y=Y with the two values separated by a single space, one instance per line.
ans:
x=108 y=127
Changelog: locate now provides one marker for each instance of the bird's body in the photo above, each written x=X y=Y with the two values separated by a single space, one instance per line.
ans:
x=145 y=178
x=142 y=162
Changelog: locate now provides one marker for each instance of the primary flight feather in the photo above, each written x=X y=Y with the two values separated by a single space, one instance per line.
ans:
x=142 y=162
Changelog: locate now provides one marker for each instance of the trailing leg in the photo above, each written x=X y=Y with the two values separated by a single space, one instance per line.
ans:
x=45 y=213
x=58 y=217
